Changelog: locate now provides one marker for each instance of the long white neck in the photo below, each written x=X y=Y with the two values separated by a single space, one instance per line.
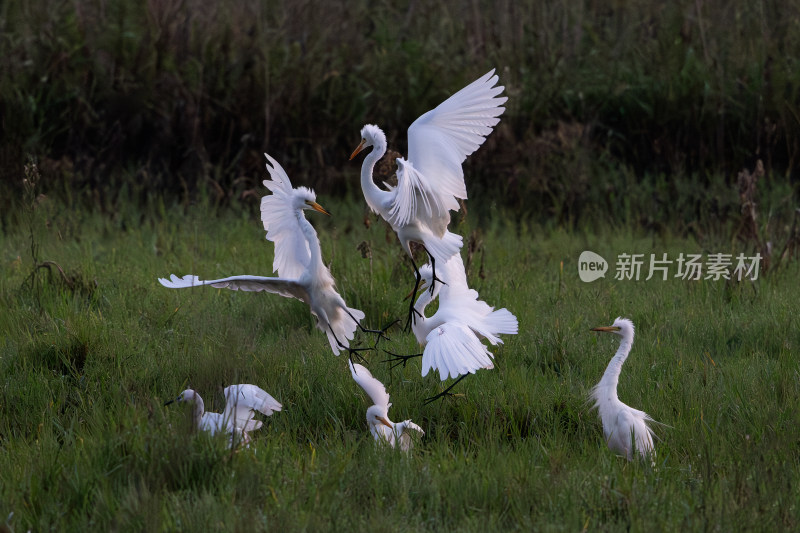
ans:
x=316 y=267
x=373 y=194
x=199 y=409
x=611 y=375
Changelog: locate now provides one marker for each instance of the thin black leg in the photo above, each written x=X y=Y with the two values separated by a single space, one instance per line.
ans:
x=352 y=351
x=445 y=392
x=434 y=279
x=411 y=309
x=380 y=332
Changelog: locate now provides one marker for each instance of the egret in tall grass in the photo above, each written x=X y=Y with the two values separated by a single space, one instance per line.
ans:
x=626 y=429
x=238 y=417
x=298 y=262
x=431 y=180
x=383 y=429
x=452 y=336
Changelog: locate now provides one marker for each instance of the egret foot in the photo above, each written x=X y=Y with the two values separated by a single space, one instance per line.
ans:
x=445 y=392
x=399 y=359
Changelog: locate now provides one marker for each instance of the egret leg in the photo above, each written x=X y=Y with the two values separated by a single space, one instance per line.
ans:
x=352 y=351
x=413 y=299
x=380 y=332
x=445 y=392
x=433 y=270
x=398 y=359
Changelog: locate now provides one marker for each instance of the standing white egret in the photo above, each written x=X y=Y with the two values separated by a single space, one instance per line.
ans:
x=431 y=180
x=241 y=402
x=383 y=429
x=452 y=335
x=298 y=262
x=625 y=428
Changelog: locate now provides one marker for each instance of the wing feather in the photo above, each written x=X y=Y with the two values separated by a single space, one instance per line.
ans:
x=285 y=287
x=242 y=400
x=292 y=254
x=440 y=140
x=374 y=388
x=454 y=350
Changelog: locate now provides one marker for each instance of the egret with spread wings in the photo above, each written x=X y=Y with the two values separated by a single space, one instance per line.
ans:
x=238 y=418
x=452 y=335
x=298 y=262
x=383 y=429
x=431 y=180
x=626 y=429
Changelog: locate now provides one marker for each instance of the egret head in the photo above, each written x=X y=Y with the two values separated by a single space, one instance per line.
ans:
x=304 y=198
x=378 y=416
x=371 y=135
x=188 y=396
x=621 y=326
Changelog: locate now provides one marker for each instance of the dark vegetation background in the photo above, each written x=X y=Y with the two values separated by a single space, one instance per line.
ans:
x=640 y=111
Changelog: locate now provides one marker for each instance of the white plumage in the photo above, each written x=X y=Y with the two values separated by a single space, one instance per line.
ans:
x=452 y=335
x=626 y=429
x=238 y=417
x=381 y=428
x=431 y=180
x=298 y=261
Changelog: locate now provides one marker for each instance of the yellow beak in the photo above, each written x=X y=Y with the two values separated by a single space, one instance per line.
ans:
x=385 y=422
x=316 y=207
x=358 y=148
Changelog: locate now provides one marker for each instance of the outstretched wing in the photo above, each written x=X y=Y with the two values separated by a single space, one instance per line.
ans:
x=374 y=388
x=242 y=400
x=415 y=198
x=292 y=254
x=285 y=287
x=454 y=350
x=440 y=140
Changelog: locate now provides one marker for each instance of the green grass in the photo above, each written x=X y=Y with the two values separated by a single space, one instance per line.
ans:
x=87 y=366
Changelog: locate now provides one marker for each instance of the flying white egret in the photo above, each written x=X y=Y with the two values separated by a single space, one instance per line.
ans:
x=452 y=335
x=626 y=429
x=431 y=180
x=241 y=402
x=298 y=262
x=383 y=429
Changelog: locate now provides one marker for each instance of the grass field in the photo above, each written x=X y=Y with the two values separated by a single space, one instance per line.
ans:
x=89 y=358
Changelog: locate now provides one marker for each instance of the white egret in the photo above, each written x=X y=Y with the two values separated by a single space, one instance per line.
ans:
x=383 y=429
x=298 y=262
x=238 y=418
x=626 y=429
x=431 y=180
x=452 y=336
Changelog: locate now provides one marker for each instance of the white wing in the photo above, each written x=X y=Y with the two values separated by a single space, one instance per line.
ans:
x=415 y=199
x=285 y=287
x=242 y=400
x=403 y=431
x=292 y=254
x=454 y=350
x=373 y=387
x=440 y=140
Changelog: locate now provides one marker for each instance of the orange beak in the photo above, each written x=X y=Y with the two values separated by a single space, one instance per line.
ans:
x=316 y=207
x=606 y=329
x=358 y=148
x=385 y=422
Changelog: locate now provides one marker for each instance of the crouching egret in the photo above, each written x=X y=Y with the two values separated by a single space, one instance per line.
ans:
x=238 y=418
x=431 y=180
x=452 y=336
x=298 y=262
x=383 y=429
x=626 y=429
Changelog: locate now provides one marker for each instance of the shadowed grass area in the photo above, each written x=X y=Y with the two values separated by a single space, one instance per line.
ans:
x=88 y=444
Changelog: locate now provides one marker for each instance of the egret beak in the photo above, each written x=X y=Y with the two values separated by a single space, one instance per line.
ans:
x=358 y=148
x=172 y=401
x=385 y=422
x=316 y=207
x=607 y=329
